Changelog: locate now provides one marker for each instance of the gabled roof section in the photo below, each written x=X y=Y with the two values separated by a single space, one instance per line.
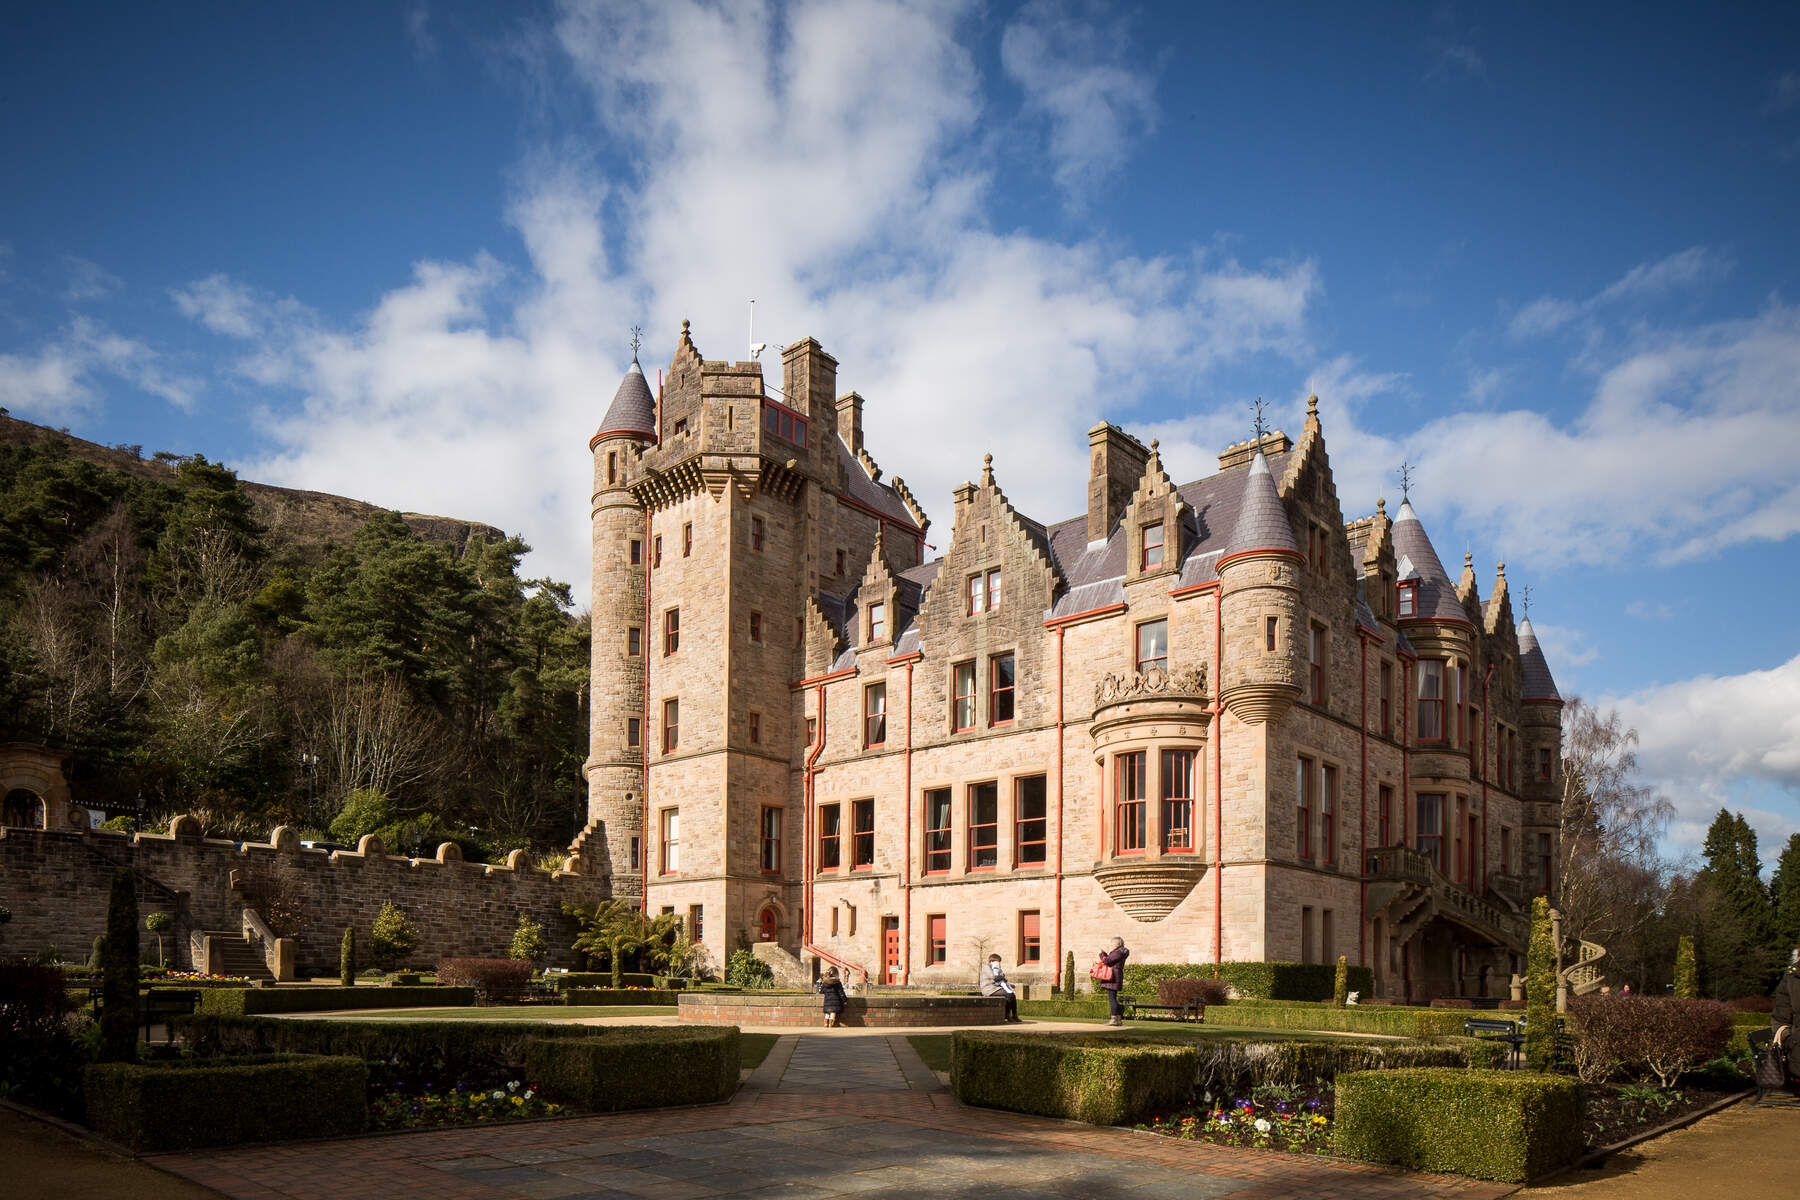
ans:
x=633 y=409
x=863 y=483
x=1262 y=522
x=1418 y=561
x=1535 y=682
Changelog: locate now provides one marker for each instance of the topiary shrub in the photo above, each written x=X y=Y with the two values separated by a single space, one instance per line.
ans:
x=97 y=955
x=119 y=995
x=1540 y=990
x=1340 y=982
x=747 y=971
x=392 y=937
x=637 y=1067
x=495 y=980
x=1068 y=979
x=347 y=959
x=1687 y=971
x=1094 y=1079
x=1209 y=992
x=1507 y=1125
x=220 y=1102
x=159 y=923
x=528 y=941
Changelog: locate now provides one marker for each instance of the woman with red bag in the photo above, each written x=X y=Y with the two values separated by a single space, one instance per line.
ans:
x=1109 y=973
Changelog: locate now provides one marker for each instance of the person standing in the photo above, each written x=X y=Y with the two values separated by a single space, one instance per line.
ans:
x=1109 y=973
x=1786 y=1007
x=832 y=988
x=995 y=983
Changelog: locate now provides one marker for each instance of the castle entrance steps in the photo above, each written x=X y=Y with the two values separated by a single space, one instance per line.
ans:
x=230 y=953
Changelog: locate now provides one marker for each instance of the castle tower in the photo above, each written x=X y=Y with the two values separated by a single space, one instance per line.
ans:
x=1260 y=595
x=1540 y=720
x=618 y=723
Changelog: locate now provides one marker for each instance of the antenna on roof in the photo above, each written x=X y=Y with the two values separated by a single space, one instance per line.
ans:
x=1259 y=424
x=637 y=339
x=1406 y=474
x=756 y=347
x=1525 y=594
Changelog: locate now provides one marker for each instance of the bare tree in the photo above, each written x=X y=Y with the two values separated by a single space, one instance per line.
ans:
x=364 y=733
x=56 y=634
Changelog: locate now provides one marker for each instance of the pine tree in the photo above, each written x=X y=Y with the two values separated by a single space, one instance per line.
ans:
x=1738 y=918
x=1784 y=889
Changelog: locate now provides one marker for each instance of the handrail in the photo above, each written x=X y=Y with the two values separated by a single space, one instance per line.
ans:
x=1413 y=866
x=834 y=960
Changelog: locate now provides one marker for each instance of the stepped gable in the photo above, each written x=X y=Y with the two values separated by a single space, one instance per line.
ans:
x=1535 y=682
x=862 y=480
x=1468 y=593
x=633 y=409
x=1262 y=523
x=1418 y=561
x=1497 y=615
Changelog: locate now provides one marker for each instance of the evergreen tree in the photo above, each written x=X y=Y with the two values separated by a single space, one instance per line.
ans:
x=347 y=958
x=1687 y=974
x=1737 y=917
x=119 y=985
x=1784 y=888
x=1540 y=990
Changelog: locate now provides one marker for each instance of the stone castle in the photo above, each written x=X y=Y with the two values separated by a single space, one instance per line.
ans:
x=1213 y=718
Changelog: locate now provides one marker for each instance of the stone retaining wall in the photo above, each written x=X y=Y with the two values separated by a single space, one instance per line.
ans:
x=876 y=1012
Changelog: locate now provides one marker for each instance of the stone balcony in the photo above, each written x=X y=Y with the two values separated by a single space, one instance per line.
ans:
x=1410 y=891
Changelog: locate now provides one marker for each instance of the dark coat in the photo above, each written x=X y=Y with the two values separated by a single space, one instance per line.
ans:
x=1787 y=1005
x=1116 y=960
x=833 y=991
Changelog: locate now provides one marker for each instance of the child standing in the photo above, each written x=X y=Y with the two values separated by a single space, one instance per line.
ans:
x=832 y=989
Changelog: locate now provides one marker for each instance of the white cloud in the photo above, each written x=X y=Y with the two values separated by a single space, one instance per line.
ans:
x=1694 y=267
x=1644 y=610
x=419 y=36
x=56 y=381
x=1082 y=76
x=220 y=304
x=1712 y=741
x=88 y=281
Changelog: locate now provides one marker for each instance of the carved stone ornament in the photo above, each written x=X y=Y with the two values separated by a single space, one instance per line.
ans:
x=1149 y=889
x=1117 y=687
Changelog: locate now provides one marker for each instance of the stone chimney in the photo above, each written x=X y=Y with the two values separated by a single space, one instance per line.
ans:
x=849 y=420
x=1116 y=465
x=809 y=380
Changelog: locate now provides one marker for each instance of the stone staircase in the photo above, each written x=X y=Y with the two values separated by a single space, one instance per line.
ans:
x=236 y=956
x=1405 y=885
x=1582 y=976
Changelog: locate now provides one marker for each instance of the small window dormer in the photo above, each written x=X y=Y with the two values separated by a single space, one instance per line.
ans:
x=1406 y=598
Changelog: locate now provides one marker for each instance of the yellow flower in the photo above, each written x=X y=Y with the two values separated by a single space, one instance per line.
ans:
x=518 y=1100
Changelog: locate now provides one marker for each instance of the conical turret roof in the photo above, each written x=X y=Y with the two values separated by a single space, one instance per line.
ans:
x=633 y=409
x=1262 y=522
x=1535 y=682
x=1417 y=561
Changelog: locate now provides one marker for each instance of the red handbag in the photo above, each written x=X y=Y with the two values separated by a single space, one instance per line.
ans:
x=1101 y=971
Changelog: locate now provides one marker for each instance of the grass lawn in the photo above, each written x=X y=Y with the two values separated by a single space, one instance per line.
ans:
x=754 y=1047
x=537 y=1012
x=933 y=1049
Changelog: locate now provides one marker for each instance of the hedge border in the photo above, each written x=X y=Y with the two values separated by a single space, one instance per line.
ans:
x=1513 y=1126
x=637 y=1066
x=620 y=996
x=1259 y=980
x=186 y=1105
x=1098 y=1080
x=244 y=1002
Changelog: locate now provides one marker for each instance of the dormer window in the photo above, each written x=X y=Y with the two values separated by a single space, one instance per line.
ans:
x=877 y=622
x=1151 y=546
x=1407 y=595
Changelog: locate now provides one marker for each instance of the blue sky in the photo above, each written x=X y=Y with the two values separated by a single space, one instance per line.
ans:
x=1548 y=253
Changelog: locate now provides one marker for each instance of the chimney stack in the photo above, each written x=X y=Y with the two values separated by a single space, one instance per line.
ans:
x=849 y=420
x=1116 y=467
x=809 y=379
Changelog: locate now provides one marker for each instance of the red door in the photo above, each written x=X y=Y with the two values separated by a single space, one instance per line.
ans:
x=890 y=929
x=766 y=926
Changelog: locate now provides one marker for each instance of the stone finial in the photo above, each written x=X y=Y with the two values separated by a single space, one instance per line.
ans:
x=285 y=839
x=371 y=846
x=449 y=852
x=1500 y=569
x=518 y=860
x=1381 y=505
x=187 y=825
x=987 y=470
x=1468 y=560
x=1312 y=406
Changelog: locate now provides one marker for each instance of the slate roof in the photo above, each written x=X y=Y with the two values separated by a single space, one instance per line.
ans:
x=1262 y=524
x=633 y=408
x=1535 y=682
x=1418 y=561
x=864 y=490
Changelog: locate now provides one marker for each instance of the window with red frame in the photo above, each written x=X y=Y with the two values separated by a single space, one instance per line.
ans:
x=671 y=725
x=612 y=467
x=687 y=539
x=830 y=831
x=696 y=921
x=862 y=834
x=1384 y=816
x=756 y=533
x=937 y=940
x=1473 y=876
x=812 y=730
x=1153 y=646
x=1271 y=628
x=771 y=841
x=877 y=622
x=1315 y=663
x=993 y=590
x=1151 y=547
x=1407 y=599
x=962 y=709
x=784 y=423
x=1428 y=836
x=1543 y=863
x=756 y=627
x=984 y=826
x=671 y=841
x=1387 y=699
x=1031 y=942
x=1328 y=805
x=875 y=715
x=1506 y=854
x=1453 y=681
x=637 y=552
x=1128 y=803
x=656 y=551
x=1000 y=689
x=634 y=642
x=1543 y=763
x=937 y=831
x=977 y=593
x=1303 y=807
x=1030 y=824
x=1431 y=700
x=1178 y=800
x=671 y=631
x=755 y=728
x=633 y=731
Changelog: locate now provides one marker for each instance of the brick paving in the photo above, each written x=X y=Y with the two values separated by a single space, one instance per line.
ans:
x=823 y=1116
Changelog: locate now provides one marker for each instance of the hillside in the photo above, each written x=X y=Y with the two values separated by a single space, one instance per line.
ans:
x=307 y=520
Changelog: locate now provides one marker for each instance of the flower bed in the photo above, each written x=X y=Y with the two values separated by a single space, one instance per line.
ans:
x=1296 y=1119
x=420 y=1105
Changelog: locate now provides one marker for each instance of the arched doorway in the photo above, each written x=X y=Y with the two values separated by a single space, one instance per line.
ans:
x=767 y=924
x=23 y=808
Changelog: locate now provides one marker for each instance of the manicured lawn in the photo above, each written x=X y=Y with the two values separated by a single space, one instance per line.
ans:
x=933 y=1049
x=754 y=1047
x=535 y=1012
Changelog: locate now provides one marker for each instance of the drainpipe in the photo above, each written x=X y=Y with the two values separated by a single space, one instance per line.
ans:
x=1218 y=736
x=1486 y=699
x=1056 y=957
x=907 y=881
x=806 y=852
x=644 y=740
x=1362 y=822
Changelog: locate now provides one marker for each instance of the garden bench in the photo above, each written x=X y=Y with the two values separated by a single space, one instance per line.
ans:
x=1189 y=1010
x=1493 y=1029
x=163 y=1003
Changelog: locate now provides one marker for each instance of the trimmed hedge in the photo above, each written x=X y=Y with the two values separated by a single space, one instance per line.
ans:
x=185 y=1104
x=1234 y=1064
x=637 y=1066
x=1392 y=1020
x=618 y=996
x=601 y=979
x=1258 y=980
x=1103 y=1081
x=1507 y=1125
x=238 y=1002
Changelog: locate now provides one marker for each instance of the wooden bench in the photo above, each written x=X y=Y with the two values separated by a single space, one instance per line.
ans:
x=1493 y=1029
x=164 y=1003
x=1190 y=1010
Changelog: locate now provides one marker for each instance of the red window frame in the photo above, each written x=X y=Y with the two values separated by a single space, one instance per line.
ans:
x=669 y=822
x=1271 y=633
x=862 y=834
x=1129 y=818
x=1159 y=662
x=656 y=551
x=1428 y=836
x=755 y=728
x=1406 y=599
x=1315 y=663
x=993 y=590
x=1387 y=699
x=1328 y=798
x=634 y=641
x=756 y=627
x=671 y=725
x=612 y=466
x=937 y=940
x=1031 y=821
x=984 y=826
x=831 y=836
x=634 y=731
x=1031 y=942
x=756 y=533
x=937 y=837
x=696 y=920
x=1431 y=700
x=783 y=422
x=637 y=552
x=963 y=702
x=975 y=597
x=874 y=715
x=671 y=631
x=1544 y=765
x=1178 y=801
x=1384 y=819
x=1002 y=689
x=1150 y=549
x=687 y=539
x=769 y=830
x=1303 y=807
x=877 y=621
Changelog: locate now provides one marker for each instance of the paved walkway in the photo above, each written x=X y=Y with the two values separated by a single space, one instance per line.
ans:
x=826 y=1114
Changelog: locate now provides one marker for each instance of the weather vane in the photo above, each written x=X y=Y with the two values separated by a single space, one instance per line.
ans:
x=1406 y=473
x=1525 y=594
x=637 y=339
x=1260 y=427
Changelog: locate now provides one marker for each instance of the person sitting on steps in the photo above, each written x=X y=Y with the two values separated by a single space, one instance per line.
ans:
x=995 y=983
x=832 y=989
